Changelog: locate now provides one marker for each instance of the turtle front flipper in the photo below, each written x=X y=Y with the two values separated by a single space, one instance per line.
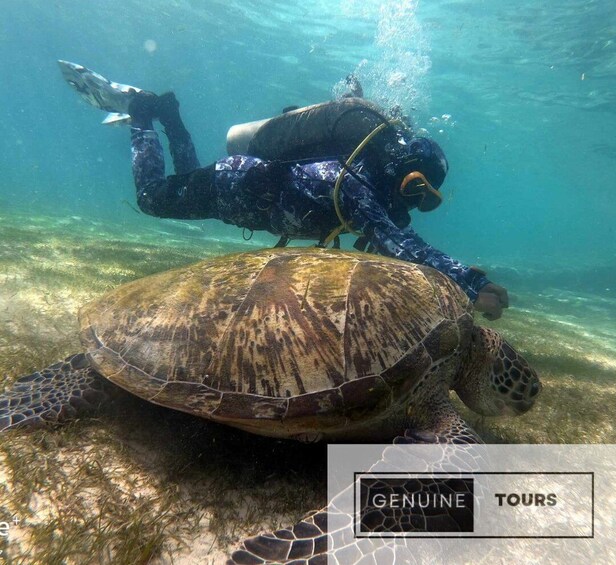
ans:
x=52 y=394
x=439 y=423
x=304 y=543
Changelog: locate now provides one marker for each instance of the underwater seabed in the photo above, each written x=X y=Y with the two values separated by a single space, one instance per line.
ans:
x=141 y=484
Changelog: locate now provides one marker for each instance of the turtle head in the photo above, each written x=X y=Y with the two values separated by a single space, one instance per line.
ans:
x=495 y=380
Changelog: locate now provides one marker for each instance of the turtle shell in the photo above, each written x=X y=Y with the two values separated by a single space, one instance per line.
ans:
x=281 y=341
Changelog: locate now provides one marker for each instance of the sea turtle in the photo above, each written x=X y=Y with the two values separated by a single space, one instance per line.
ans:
x=291 y=343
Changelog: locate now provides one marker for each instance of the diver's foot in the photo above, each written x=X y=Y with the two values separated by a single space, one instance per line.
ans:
x=143 y=108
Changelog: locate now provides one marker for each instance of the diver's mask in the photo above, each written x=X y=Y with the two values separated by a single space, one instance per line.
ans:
x=418 y=159
x=418 y=193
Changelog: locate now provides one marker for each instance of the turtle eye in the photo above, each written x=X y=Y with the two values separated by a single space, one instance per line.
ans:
x=534 y=389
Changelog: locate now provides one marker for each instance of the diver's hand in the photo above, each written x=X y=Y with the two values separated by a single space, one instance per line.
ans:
x=491 y=301
x=354 y=89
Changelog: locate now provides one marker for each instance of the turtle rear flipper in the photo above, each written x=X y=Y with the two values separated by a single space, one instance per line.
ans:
x=53 y=394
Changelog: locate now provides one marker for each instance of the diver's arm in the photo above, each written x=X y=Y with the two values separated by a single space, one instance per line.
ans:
x=371 y=218
x=409 y=246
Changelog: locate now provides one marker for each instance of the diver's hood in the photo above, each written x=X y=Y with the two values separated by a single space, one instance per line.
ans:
x=423 y=155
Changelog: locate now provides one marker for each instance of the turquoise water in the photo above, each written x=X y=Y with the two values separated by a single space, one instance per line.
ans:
x=529 y=85
x=521 y=96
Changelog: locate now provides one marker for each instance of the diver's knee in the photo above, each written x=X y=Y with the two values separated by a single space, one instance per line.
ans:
x=147 y=204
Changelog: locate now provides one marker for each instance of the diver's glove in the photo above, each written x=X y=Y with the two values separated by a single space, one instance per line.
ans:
x=353 y=87
x=143 y=108
x=491 y=300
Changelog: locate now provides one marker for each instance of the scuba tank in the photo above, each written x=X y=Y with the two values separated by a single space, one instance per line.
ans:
x=330 y=129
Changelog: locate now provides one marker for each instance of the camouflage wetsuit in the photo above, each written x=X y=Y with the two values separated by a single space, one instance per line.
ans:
x=288 y=200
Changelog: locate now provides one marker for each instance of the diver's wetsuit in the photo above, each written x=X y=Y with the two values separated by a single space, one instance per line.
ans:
x=288 y=200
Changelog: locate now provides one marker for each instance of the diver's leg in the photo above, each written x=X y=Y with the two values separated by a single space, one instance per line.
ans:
x=147 y=155
x=180 y=143
x=148 y=169
x=188 y=195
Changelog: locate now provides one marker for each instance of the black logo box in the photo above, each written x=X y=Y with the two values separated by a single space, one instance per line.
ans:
x=453 y=513
x=415 y=505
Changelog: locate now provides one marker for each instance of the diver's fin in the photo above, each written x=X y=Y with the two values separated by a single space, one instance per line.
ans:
x=115 y=119
x=96 y=90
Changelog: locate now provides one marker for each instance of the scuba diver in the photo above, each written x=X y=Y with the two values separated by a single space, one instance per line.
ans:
x=343 y=166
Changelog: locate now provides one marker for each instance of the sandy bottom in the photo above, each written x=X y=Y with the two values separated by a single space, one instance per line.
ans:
x=140 y=484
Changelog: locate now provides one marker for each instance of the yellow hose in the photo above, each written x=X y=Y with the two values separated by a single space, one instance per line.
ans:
x=344 y=225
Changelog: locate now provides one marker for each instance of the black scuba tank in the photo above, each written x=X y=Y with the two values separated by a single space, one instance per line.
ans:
x=330 y=129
